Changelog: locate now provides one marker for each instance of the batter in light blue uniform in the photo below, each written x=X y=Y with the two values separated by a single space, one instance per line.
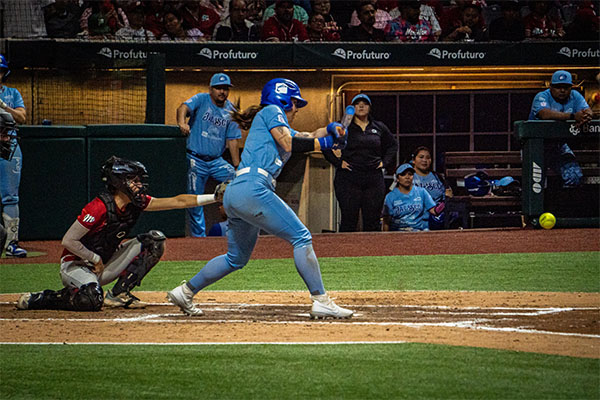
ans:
x=407 y=207
x=11 y=101
x=251 y=203
x=561 y=103
x=209 y=130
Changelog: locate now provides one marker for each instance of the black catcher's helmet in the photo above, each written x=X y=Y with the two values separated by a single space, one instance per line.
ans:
x=130 y=177
x=8 y=135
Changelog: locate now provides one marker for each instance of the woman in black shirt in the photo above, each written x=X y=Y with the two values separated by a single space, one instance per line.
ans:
x=359 y=185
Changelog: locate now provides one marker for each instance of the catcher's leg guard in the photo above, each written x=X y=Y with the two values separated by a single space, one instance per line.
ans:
x=50 y=300
x=89 y=297
x=153 y=247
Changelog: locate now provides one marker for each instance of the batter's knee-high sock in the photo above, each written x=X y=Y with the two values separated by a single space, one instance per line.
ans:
x=12 y=227
x=308 y=268
x=214 y=270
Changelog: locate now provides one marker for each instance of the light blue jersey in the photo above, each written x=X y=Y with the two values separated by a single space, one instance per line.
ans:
x=408 y=211
x=544 y=99
x=210 y=126
x=10 y=171
x=432 y=184
x=261 y=150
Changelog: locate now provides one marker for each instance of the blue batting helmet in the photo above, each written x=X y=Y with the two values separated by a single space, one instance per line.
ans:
x=280 y=92
x=4 y=65
x=478 y=184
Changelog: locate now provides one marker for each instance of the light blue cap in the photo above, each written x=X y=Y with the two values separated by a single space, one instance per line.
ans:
x=361 y=97
x=401 y=169
x=220 y=79
x=561 y=78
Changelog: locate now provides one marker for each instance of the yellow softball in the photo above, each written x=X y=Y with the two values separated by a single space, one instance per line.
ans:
x=547 y=220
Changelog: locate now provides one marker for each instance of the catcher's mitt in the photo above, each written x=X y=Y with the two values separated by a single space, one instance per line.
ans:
x=220 y=191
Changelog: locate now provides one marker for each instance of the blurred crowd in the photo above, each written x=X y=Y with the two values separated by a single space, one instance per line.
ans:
x=302 y=20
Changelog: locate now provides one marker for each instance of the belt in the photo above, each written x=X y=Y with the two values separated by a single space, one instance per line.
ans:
x=201 y=157
x=259 y=170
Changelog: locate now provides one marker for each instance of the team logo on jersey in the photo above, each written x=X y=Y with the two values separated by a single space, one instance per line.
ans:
x=89 y=219
x=281 y=88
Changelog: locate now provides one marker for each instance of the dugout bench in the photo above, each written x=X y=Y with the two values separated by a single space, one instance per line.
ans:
x=528 y=167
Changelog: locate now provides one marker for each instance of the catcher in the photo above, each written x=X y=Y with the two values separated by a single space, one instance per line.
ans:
x=94 y=255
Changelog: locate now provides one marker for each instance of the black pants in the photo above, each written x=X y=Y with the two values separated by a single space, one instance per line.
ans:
x=359 y=192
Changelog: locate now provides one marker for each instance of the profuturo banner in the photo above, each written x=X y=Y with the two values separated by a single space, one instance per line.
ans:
x=106 y=54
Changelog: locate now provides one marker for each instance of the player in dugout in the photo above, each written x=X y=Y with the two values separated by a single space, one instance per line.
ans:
x=94 y=253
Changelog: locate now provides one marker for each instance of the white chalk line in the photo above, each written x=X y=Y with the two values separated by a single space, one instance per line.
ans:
x=163 y=318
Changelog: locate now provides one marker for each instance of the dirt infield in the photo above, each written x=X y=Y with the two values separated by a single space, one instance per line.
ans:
x=552 y=323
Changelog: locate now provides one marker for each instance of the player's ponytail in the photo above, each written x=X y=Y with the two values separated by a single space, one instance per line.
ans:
x=244 y=118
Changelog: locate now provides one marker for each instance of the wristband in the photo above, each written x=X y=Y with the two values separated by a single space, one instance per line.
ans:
x=572 y=116
x=204 y=199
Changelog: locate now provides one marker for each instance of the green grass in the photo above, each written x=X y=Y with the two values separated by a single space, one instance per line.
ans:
x=555 y=272
x=375 y=371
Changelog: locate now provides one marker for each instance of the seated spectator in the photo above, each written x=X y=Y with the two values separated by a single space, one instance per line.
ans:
x=323 y=7
x=585 y=23
x=236 y=27
x=433 y=182
x=135 y=30
x=256 y=10
x=316 y=30
x=366 y=31
x=102 y=19
x=62 y=19
x=468 y=28
x=174 y=29
x=409 y=27
x=407 y=207
x=154 y=11
x=283 y=27
x=427 y=13
x=299 y=13
x=382 y=17
x=509 y=26
x=195 y=15
x=451 y=16
x=539 y=25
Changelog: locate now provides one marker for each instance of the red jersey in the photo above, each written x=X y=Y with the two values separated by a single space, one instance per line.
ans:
x=273 y=28
x=94 y=217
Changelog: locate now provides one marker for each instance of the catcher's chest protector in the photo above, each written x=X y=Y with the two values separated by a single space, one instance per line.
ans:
x=118 y=225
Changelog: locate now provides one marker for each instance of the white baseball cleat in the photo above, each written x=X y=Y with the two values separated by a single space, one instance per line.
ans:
x=324 y=307
x=125 y=300
x=23 y=302
x=182 y=297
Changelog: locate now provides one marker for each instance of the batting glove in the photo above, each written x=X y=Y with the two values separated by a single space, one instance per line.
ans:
x=340 y=135
x=439 y=208
x=220 y=191
x=326 y=142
